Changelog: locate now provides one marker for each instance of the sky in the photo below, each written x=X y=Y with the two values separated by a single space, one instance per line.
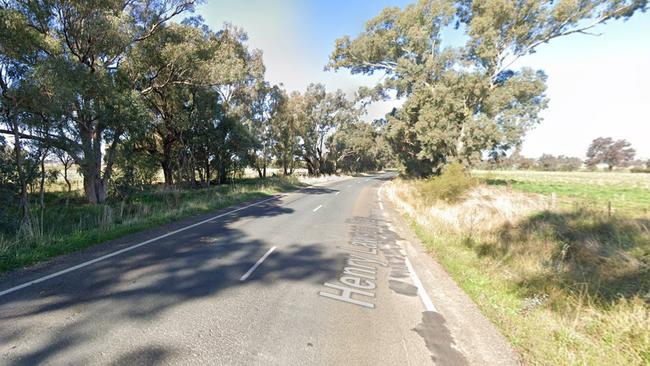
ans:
x=597 y=86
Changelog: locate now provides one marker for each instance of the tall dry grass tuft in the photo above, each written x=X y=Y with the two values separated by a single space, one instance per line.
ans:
x=567 y=286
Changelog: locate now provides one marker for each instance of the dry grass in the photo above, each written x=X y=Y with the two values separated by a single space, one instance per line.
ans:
x=567 y=286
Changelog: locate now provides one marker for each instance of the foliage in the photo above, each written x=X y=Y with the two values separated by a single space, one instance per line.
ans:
x=76 y=226
x=448 y=186
x=604 y=150
x=464 y=102
x=358 y=147
x=319 y=114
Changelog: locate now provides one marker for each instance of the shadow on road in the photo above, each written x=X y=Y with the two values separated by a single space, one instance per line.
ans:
x=51 y=320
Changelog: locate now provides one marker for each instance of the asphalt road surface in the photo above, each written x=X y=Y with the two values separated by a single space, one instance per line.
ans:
x=321 y=276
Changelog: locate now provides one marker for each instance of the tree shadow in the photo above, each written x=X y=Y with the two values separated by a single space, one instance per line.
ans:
x=581 y=250
x=147 y=282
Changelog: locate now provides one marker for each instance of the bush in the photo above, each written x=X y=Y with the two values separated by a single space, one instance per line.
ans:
x=448 y=187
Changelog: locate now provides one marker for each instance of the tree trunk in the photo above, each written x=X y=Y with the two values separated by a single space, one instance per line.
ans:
x=24 y=198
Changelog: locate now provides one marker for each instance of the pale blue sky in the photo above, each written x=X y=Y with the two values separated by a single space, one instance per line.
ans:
x=598 y=86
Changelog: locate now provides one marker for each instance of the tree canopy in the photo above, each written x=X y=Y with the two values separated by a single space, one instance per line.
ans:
x=463 y=102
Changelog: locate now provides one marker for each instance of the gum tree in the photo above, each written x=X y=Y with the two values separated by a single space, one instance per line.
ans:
x=462 y=102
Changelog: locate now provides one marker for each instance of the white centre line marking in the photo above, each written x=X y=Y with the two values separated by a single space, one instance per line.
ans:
x=337 y=193
x=317 y=208
x=426 y=300
x=250 y=271
x=127 y=249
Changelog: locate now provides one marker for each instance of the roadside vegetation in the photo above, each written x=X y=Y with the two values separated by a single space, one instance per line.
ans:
x=568 y=284
x=68 y=224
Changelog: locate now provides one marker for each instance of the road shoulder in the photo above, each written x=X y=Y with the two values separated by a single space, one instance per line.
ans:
x=473 y=334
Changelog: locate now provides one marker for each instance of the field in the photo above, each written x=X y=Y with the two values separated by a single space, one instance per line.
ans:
x=568 y=282
x=626 y=192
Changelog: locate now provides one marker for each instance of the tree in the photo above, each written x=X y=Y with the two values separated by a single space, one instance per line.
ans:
x=266 y=104
x=79 y=88
x=357 y=147
x=284 y=128
x=163 y=67
x=319 y=114
x=463 y=102
x=605 y=150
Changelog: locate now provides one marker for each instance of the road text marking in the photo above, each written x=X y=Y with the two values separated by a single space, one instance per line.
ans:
x=250 y=271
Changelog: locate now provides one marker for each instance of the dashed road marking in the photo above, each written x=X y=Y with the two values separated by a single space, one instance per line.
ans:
x=250 y=271
x=337 y=193
x=127 y=249
x=317 y=208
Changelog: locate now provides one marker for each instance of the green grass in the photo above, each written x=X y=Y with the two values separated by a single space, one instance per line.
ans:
x=69 y=228
x=626 y=192
x=568 y=285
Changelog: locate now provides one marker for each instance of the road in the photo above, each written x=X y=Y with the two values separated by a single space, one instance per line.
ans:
x=314 y=277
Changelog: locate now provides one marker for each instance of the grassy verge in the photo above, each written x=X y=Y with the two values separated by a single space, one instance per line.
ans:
x=66 y=228
x=567 y=286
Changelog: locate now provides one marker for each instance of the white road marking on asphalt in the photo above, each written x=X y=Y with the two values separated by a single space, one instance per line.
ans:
x=426 y=300
x=317 y=208
x=381 y=206
x=124 y=250
x=337 y=193
x=250 y=271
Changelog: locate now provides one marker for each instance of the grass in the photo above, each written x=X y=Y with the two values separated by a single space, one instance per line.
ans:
x=626 y=192
x=68 y=228
x=566 y=285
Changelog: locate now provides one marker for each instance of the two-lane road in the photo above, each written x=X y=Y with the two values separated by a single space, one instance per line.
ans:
x=311 y=277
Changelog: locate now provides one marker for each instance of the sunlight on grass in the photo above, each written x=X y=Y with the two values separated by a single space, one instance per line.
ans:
x=567 y=285
x=68 y=228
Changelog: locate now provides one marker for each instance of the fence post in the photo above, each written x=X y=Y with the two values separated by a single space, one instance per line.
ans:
x=609 y=208
x=553 y=199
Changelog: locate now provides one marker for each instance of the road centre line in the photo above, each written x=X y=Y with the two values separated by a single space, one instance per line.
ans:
x=254 y=267
x=426 y=300
x=317 y=208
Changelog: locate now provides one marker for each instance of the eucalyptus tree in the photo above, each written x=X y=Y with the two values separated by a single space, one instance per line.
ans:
x=357 y=147
x=319 y=113
x=19 y=48
x=284 y=129
x=266 y=105
x=163 y=69
x=462 y=102
x=85 y=96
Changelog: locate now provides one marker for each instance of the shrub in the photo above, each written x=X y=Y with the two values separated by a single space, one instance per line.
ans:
x=448 y=187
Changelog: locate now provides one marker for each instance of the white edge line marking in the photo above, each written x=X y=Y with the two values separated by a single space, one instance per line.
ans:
x=254 y=267
x=124 y=250
x=426 y=300
x=317 y=208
